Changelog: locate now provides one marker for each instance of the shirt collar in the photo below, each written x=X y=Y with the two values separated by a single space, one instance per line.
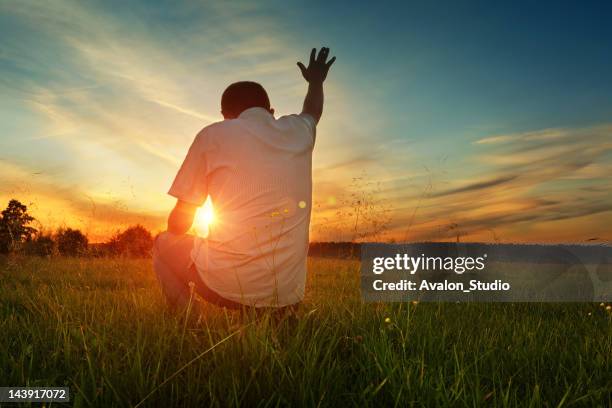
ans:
x=255 y=112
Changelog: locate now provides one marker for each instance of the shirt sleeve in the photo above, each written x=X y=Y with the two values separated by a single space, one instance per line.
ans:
x=305 y=122
x=310 y=123
x=190 y=183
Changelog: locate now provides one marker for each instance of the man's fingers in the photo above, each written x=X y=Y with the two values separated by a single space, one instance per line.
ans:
x=302 y=68
x=312 y=55
x=323 y=54
x=331 y=61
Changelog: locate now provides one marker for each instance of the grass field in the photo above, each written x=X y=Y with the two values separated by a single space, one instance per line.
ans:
x=100 y=327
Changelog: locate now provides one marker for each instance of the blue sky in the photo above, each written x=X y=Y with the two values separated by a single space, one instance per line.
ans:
x=476 y=119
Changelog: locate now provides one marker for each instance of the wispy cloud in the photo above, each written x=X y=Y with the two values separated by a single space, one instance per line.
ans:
x=534 y=181
x=66 y=205
x=123 y=99
x=481 y=185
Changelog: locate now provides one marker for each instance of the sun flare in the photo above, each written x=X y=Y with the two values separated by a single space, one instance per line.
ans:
x=205 y=217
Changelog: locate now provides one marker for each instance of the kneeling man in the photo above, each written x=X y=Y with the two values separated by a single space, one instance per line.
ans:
x=257 y=171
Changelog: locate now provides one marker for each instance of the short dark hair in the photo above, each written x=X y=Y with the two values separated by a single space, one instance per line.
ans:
x=243 y=95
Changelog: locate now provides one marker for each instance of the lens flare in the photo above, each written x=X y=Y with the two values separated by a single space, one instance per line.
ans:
x=205 y=217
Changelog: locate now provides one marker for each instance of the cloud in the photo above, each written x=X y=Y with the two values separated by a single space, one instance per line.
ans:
x=481 y=185
x=116 y=96
x=55 y=205
x=494 y=139
x=536 y=180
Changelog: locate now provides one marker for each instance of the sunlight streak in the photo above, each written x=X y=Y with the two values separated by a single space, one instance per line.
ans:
x=205 y=217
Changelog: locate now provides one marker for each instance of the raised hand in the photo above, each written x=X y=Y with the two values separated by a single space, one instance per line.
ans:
x=317 y=66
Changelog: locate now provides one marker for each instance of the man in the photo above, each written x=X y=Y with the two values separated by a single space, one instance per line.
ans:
x=257 y=171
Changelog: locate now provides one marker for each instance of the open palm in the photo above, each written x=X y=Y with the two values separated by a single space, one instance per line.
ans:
x=318 y=66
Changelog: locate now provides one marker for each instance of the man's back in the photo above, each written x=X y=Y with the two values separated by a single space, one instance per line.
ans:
x=257 y=171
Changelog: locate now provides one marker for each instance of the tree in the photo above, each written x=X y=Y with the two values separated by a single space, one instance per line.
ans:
x=136 y=241
x=71 y=242
x=14 y=226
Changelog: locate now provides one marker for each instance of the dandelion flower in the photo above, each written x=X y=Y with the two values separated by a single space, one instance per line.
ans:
x=387 y=320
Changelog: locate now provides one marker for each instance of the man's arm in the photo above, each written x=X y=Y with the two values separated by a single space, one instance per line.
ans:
x=315 y=74
x=181 y=217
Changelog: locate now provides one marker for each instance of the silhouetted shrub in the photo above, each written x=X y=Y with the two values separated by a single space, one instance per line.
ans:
x=136 y=241
x=100 y=249
x=71 y=242
x=41 y=245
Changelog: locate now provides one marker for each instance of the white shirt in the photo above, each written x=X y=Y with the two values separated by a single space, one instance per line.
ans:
x=258 y=173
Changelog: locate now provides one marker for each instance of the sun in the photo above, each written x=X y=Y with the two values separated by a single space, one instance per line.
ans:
x=204 y=218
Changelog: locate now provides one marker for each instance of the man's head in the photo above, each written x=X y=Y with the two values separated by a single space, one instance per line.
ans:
x=241 y=96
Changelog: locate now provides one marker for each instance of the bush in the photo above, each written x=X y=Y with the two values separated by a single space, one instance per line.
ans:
x=71 y=242
x=136 y=241
x=42 y=245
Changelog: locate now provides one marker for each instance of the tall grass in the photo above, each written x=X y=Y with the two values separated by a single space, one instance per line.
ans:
x=100 y=327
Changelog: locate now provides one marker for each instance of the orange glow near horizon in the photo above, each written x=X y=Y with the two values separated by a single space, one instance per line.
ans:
x=204 y=218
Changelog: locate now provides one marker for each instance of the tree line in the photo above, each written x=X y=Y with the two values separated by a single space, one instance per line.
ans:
x=17 y=235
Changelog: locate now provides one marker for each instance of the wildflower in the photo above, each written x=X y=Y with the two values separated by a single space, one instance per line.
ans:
x=608 y=308
x=602 y=304
x=589 y=313
x=387 y=320
x=302 y=204
x=415 y=302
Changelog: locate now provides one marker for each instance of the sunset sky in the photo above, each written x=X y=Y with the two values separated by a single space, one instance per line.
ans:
x=486 y=121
